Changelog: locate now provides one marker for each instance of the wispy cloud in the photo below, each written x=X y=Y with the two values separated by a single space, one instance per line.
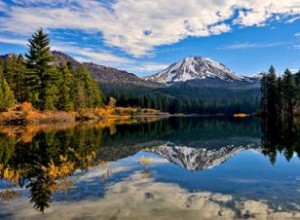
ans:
x=85 y=54
x=13 y=41
x=146 y=68
x=297 y=34
x=90 y=54
x=138 y=27
x=109 y=59
x=247 y=45
x=297 y=46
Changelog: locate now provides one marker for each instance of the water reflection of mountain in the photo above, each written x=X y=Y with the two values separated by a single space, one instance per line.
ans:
x=198 y=158
x=217 y=135
x=44 y=160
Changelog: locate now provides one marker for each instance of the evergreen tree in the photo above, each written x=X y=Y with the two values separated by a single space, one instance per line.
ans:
x=14 y=70
x=66 y=80
x=6 y=94
x=288 y=92
x=85 y=91
x=263 y=91
x=272 y=92
x=41 y=77
x=297 y=83
x=279 y=96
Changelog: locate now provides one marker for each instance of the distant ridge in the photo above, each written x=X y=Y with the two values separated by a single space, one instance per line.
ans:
x=104 y=74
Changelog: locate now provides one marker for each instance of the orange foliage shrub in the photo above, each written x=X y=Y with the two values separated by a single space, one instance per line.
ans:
x=26 y=106
x=64 y=170
x=9 y=174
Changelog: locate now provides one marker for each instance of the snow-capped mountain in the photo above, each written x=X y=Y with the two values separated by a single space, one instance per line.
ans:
x=256 y=76
x=196 y=68
x=198 y=158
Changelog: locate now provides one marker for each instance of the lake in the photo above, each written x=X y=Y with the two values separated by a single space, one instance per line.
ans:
x=174 y=168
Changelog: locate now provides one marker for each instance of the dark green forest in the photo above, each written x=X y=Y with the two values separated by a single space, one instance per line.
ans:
x=37 y=78
x=186 y=99
x=280 y=95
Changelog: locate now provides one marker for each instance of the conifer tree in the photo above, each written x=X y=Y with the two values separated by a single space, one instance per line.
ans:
x=279 y=105
x=85 y=91
x=14 y=70
x=288 y=92
x=66 y=79
x=272 y=92
x=263 y=91
x=297 y=83
x=6 y=94
x=41 y=77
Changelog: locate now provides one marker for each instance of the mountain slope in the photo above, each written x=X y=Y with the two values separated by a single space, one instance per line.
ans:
x=109 y=75
x=196 y=68
x=104 y=74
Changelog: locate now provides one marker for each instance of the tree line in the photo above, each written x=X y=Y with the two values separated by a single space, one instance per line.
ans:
x=280 y=95
x=186 y=100
x=37 y=78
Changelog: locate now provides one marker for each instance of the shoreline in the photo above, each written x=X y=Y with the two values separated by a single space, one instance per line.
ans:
x=21 y=117
x=57 y=117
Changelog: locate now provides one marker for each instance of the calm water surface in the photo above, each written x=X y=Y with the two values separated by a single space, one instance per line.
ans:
x=177 y=168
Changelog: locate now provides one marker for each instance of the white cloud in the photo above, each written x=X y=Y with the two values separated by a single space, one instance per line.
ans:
x=297 y=34
x=107 y=58
x=6 y=40
x=84 y=54
x=144 y=68
x=39 y=2
x=139 y=26
x=247 y=45
x=90 y=54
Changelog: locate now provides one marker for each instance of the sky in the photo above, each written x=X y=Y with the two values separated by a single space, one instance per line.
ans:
x=146 y=36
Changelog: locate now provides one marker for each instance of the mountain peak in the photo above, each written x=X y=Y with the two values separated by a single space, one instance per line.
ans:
x=195 y=67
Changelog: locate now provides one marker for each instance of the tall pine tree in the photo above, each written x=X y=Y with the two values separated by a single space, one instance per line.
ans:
x=14 y=70
x=263 y=91
x=297 y=82
x=66 y=79
x=272 y=92
x=6 y=94
x=85 y=91
x=41 y=77
x=288 y=93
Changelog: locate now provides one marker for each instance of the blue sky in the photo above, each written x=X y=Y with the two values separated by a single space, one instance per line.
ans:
x=145 y=36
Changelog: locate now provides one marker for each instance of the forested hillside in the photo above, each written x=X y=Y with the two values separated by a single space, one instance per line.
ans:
x=49 y=85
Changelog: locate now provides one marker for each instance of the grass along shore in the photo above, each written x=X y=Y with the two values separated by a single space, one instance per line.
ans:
x=26 y=114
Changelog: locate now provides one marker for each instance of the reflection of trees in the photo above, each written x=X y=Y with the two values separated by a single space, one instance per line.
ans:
x=181 y=130
x=40 y=189
x=46 y=164
x=280 y=136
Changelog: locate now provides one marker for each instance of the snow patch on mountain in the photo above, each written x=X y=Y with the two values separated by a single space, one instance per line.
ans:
x=198 y=158
x=191 y=68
